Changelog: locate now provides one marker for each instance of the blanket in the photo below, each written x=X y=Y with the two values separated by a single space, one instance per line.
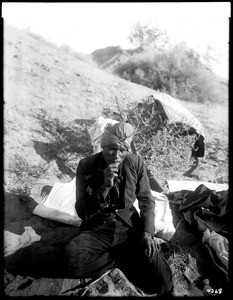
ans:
x=207 y=211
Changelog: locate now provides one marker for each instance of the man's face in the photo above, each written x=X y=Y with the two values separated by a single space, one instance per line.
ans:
x=114 y=154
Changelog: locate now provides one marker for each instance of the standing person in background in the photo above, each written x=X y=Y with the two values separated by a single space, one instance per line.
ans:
x=112 y=233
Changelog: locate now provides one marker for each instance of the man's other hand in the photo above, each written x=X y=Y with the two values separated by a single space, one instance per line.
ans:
x=151 y=244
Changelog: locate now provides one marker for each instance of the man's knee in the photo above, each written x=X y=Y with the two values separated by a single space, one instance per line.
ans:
x=83 y=260
x=73 y=246
x=75 y=257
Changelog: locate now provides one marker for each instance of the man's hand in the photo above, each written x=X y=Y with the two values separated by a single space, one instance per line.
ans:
x=151 y=244
x=109 y=174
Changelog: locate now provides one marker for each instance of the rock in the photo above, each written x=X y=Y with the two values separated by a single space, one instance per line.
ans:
x=191 y=271
x=69 y=286
x=114 y=283
x=14 y=242
x=221 y=157
x=222 y=180
x=213 y=157
x=206 y=287
x=212 y=151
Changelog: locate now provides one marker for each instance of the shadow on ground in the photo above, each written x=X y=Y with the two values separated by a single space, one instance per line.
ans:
x=35 y=246
x=70 y=140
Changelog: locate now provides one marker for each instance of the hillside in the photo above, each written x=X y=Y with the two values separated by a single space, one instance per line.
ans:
x=42 y=82
x=50 y=99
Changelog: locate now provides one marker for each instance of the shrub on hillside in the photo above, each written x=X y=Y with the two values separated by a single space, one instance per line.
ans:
x=65 y=137
x=170 y=154
x=67 y=143
x=177 y=72
x=22 y=175
x=165 y=148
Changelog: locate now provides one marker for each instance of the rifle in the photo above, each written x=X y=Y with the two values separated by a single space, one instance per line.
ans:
x=124 y=119
x=153 y=183
x=122 y=114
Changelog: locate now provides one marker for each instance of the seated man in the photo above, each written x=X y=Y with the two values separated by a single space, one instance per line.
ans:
x=112 y=233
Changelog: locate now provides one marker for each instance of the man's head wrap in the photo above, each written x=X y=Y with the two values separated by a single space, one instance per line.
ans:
x=119 y=134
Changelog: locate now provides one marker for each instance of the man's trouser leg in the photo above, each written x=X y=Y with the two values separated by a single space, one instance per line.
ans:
x=152 y=275
x=88 y=254
x=156 y=276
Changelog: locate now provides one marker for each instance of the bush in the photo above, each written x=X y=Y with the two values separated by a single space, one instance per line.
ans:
x=166 y=148
x=68 y=140
x=170 y=154
x=177 y=72
x=67 y=144
x=22 y=175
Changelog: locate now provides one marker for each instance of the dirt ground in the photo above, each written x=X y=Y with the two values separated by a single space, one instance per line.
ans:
x=49 y=102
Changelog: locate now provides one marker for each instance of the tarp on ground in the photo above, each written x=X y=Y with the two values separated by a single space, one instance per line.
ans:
x=177 y=185
x=63 y=197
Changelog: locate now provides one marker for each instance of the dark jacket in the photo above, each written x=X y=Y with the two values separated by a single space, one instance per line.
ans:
x=133 y=184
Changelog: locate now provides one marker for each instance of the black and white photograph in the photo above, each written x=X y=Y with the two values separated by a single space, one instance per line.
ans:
x=116 y=149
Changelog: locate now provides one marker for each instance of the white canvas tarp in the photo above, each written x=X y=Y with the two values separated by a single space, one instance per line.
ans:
x=178 y=185
x=178 y=114
x=63 y=196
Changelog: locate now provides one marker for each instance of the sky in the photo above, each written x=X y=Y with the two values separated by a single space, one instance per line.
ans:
x=87 y=26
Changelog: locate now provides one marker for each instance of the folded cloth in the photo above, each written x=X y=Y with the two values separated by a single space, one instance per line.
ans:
x=219 y=244
x=163 y=216
x=62 y=197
